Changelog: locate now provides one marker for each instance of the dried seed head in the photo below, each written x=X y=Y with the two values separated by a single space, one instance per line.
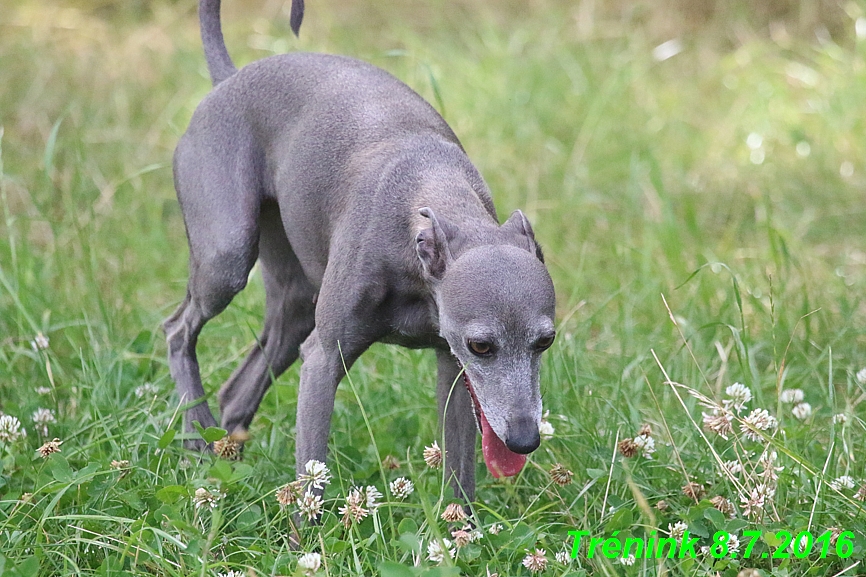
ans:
x=227 y=448
x=627 y=448
x=693 y=490
x=723 y=504
x=662 y=505
x=50 y=447
x=454 y=512
x=120 y=465
x=560 y=475
x=390 y=462
x=289 y=493
x=461 y=537
x=719 y=422
x=645 y=429
x=433 y=456
x=860 y=495
x=354 y=511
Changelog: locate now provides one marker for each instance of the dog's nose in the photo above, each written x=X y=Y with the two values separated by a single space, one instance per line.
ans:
x=523 y=435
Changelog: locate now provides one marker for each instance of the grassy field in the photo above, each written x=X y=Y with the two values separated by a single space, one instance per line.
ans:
x=701 y=205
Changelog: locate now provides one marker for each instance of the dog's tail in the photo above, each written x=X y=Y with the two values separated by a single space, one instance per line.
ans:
x=219 y=63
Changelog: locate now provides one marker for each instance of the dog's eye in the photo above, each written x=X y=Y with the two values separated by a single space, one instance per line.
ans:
x=544 y=343
x=480 y=348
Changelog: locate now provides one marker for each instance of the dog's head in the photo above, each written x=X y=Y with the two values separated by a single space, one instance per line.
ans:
x=496 y=311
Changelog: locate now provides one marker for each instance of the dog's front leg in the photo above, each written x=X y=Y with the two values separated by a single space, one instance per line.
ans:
x=457 y=420
x=320 y=376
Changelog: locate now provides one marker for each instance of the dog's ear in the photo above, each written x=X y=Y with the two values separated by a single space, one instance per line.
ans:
x=518 y=226
x=431 y=244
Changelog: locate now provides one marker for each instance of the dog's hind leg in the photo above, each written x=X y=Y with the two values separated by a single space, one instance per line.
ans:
x=219 y=199
x=457 y=419
x=289 y=319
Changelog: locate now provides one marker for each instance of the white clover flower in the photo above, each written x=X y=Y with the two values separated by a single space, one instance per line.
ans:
x=646 y=445
x=535 y=561
x=495 y=529
x=43 y=390
x=677 y=530
x=802 y=411
x=475 y=535
x=10 y=429
x=768 y=463
x=317 y=474
x=753 y=503
x=758 y=420
x=840 y=419
x=310 y=505
x=628 y=561
x=372 y=495
x=843 y=482
x=546 y=430
x=733 y=543
x=309 y=563
x=740 y=395
x=232 y=573
x=800 y=545
x=436 y=553
x=205 y=498
x=42 y=418
x=563 y=558
x=861 y=376
x=792 y=396
x=401 y=487
x=733 y=467
x=354 y=510
x=39 y=342
x=146 y=390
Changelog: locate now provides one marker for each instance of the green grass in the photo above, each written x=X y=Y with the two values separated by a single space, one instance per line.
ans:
x=684 y=260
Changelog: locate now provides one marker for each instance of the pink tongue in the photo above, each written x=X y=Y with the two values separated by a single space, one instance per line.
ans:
x=500 y=461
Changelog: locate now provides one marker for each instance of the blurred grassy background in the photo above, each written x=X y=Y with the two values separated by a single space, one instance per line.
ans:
x=645 y=140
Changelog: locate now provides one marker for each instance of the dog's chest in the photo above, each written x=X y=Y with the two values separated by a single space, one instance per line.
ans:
x=413 y=324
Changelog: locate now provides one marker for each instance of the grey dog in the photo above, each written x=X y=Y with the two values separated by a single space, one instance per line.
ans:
x=371 y=225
